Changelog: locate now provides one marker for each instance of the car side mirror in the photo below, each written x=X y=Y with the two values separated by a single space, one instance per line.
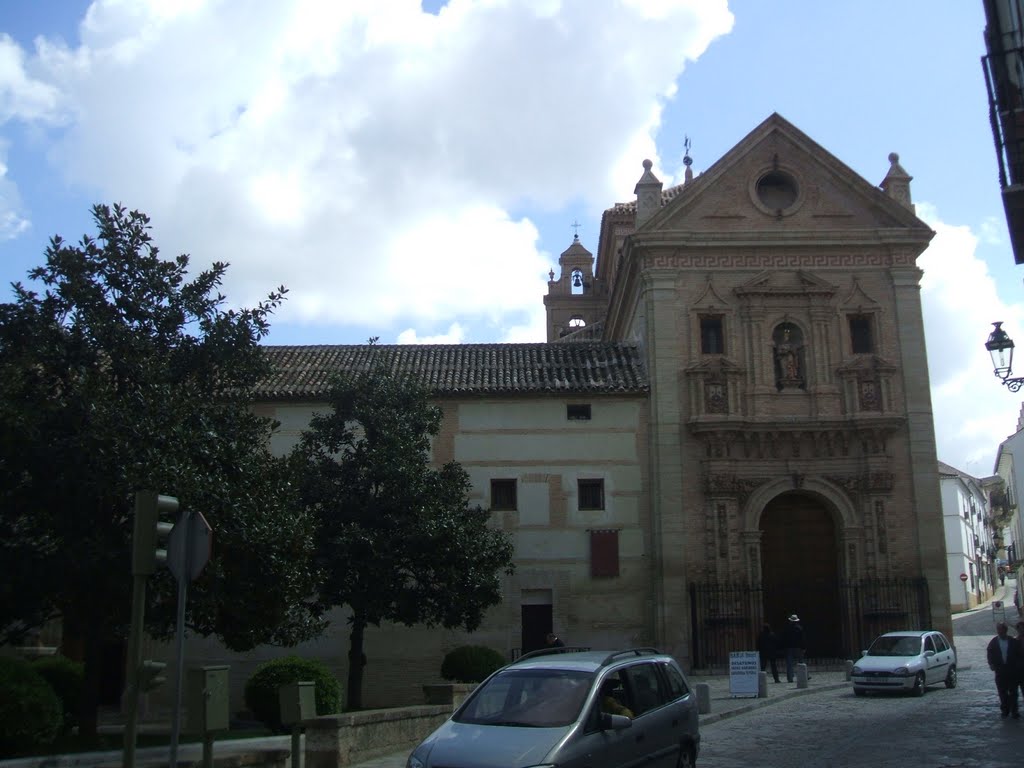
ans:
x=611 y=722
x=929 y=653
x=864 y=652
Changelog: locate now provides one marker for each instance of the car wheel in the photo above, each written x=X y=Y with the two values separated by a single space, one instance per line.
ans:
x=951 y=678
x=685 y=757
x=858 y=692
x=918 y=689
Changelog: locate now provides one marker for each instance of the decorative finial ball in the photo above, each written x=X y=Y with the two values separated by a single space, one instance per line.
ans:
x=894 y=158
x=647 y=165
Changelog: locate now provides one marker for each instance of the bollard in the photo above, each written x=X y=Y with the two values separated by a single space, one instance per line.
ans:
x=762 y=685
x=801 y=675
x=849 y=670
x=703 y=698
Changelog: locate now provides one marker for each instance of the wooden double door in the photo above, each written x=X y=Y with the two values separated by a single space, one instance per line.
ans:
x=800 y=560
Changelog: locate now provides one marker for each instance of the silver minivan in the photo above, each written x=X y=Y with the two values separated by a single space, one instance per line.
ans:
x=572 y=708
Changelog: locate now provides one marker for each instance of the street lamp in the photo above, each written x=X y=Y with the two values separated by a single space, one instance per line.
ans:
x=1000 y=347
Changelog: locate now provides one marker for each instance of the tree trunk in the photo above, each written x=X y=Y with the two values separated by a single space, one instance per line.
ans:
x=356 y=662
x=82 y=639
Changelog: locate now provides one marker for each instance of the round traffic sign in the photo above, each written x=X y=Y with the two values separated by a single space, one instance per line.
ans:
x=188 y=546
x=963 y=577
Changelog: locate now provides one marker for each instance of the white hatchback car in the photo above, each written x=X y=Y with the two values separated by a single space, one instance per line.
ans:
x=905 y=661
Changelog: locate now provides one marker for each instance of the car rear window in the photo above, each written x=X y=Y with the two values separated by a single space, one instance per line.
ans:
x=528 y=698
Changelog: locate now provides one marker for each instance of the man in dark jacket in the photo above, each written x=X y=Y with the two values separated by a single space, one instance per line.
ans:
x=1002 y=654
x=768 y=649
x=793 y=640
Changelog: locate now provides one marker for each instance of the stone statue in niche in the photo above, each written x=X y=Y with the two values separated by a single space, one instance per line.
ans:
x=715 y=398
x=789 y=370
x=869 y=400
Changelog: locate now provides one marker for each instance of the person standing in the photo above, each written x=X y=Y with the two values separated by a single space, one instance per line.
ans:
x=796 y=646
x=1020 y=657
x=768 y=649
x=1002 y=654
x=553 y=641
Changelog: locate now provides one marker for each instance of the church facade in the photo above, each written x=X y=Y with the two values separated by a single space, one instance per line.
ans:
x=729 y=423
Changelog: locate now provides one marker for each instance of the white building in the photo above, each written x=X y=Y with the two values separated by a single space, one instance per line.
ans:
x=970 y=549
x=1010 y=526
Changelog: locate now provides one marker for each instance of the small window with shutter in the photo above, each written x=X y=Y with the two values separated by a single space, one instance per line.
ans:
x=604 y=554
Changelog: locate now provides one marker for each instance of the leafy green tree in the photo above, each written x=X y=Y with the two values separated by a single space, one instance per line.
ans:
x=117 y=374
x=398 y=539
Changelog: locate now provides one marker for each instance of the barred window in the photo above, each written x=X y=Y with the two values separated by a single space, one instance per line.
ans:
x=503 y=495
x=591 y=494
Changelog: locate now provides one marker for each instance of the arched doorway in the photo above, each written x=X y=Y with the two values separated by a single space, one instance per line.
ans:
x=800 y=570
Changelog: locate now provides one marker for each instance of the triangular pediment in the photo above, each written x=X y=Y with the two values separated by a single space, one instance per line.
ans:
x=714 y=367
x=710 y=299
x=785 y=282
x=858 y=299
x=777 y=179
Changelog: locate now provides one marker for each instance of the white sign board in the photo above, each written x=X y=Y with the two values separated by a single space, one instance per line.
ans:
x=998 y=611
x=743 y=669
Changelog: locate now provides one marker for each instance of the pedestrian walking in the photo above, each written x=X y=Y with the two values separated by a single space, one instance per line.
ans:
x=768 y=650
x=795 y=644
x=1020 y=657
x=1002 y=653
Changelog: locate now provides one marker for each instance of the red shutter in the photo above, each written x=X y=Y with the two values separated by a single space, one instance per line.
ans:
x=604 y=554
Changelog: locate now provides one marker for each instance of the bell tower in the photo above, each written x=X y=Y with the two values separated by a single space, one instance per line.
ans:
x=576 y=302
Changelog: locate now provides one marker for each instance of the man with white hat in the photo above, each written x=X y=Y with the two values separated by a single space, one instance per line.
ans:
x=793 y=640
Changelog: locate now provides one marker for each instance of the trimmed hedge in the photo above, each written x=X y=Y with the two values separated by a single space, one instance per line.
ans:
x=262 y=690
x=30 y=712
x=65 y=677
x=471 y=663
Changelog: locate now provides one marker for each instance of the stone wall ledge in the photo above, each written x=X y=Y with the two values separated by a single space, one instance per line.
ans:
x=352 y=737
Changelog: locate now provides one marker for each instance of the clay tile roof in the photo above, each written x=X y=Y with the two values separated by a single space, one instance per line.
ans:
x=666 y=196
x=303 y=372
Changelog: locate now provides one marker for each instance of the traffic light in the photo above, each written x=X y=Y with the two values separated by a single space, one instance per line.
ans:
x=151 y=675
x=150 y=532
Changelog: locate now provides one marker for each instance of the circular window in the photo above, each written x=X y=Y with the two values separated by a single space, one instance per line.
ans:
x=777 y=190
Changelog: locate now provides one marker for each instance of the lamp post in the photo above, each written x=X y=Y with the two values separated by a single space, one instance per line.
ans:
x=1000 y=347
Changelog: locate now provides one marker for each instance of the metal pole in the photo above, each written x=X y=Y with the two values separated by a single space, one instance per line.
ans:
x=207 y=749
x=184 y=574
x=131 y=702
x=296 y=735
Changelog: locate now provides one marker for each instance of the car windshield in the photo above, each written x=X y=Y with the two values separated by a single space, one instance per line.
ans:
x=895 y=646
x=528 y=698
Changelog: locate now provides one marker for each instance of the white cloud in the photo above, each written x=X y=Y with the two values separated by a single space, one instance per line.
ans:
x=454 y=335
x=973 y=411
x=367 y=155
x=21 y=95
x=12 y=219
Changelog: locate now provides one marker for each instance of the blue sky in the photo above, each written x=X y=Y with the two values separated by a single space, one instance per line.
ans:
x=412 y=170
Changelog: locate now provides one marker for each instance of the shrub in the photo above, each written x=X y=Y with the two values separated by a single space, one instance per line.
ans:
x=262 y=690
x=65 y=677
x=470 y=663
x=30 y=712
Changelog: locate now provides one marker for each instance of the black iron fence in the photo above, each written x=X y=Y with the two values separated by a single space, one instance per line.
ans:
x=840 y=619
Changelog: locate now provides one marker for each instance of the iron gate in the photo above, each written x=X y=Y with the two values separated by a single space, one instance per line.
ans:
x=728 y=617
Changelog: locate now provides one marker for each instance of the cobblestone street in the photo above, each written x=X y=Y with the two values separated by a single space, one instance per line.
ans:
x=835 y=729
